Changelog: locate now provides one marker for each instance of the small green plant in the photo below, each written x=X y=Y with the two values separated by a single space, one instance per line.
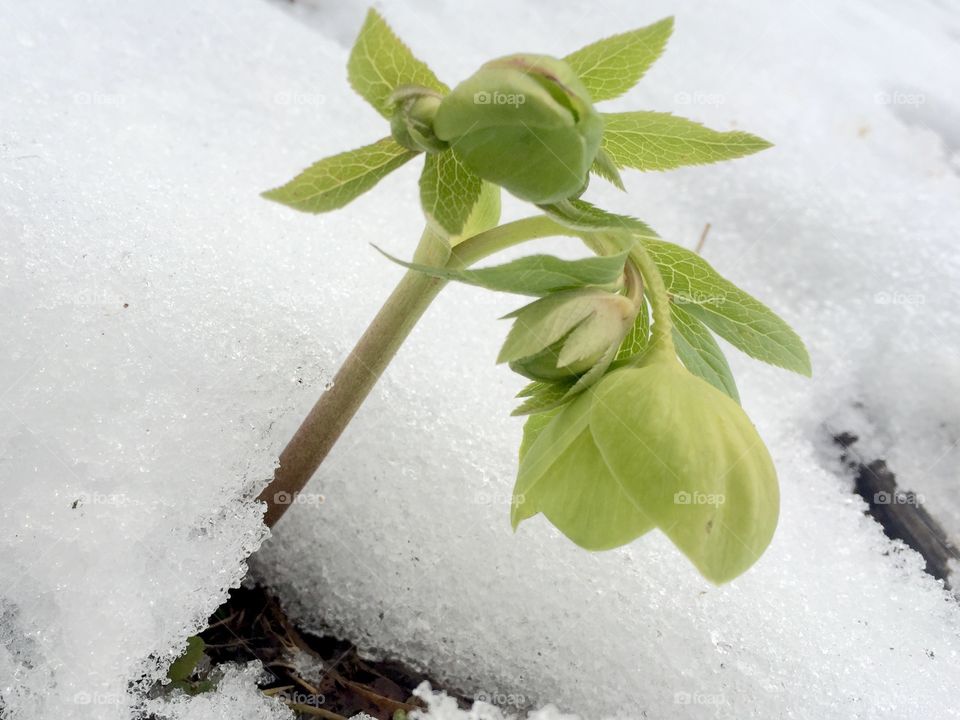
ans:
x=634 y=418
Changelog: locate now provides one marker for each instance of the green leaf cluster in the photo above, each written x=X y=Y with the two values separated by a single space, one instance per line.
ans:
x=456 y=202
x=633 y=403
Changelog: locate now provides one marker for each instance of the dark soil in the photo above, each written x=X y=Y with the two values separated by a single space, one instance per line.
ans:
x=252 y=626
x=900 y=513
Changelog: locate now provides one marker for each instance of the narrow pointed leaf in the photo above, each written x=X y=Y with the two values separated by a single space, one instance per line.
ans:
x=581 y=215
x=610 y=67
x=333 y=182
x=731 y=313
x=661 y=141
x=448 y=192
x=535 y=275
x=700 y=353
x=380 y=63
x=541 y=397
x=604 y=166
x=638 y=338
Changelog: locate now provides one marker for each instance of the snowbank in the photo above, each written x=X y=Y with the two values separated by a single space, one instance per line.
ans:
x=165 y=330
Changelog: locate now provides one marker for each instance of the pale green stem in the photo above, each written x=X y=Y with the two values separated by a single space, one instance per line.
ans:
x=661 y=334
x=504 y=236
x=377 y=346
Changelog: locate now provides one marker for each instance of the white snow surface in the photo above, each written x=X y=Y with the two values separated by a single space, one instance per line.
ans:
x=165 y=330
x=236 y=697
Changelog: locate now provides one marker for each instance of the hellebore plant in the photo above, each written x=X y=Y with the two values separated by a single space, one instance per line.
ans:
x=634 y=418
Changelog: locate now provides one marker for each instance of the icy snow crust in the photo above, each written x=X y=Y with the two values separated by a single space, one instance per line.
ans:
x=165 y=330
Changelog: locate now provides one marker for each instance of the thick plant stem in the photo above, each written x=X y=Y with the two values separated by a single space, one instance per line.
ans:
x=377 y=346
x=332 y=413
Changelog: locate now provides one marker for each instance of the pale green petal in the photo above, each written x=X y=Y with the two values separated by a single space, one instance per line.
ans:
x=689 y=457
x=544 y=321
x=564 y=477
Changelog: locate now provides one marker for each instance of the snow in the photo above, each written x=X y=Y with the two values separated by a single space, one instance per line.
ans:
x=165 y=330
x=153 y=361
x=236 y=697
x=441 y=706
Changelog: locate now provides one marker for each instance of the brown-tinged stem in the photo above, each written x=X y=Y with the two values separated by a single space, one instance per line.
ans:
x=332 y=413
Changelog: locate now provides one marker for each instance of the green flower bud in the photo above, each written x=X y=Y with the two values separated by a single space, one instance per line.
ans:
x=567 y=333
x=526 y=123
x=412 y=121
x=655 y=446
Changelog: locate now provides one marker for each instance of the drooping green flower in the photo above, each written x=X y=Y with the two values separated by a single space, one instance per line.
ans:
x=654 y=446
x=526 y=123
x=607 y=454
x=567 y=333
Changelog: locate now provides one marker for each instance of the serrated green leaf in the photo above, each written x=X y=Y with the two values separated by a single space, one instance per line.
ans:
x=535 y=275
x=333 y=182
x=610 y=67
x=638 y=338
x=604 y=166
x=661 y=141
x=700 y=353
x=541 y=398
x=380 y=63
x=581 y=215
x=448 y=192
x=731 y=313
